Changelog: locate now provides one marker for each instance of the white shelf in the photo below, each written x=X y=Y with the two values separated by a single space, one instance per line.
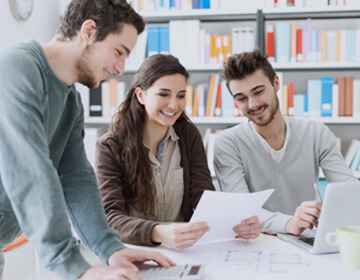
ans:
x=217 y=120
x=277 y=66
x=316 y=66
x=233 y=120
x=296 y=10
x=191 y=68
x=201 y=14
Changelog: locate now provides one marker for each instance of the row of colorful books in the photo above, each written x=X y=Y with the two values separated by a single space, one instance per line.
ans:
x=310 y=3
x=192 y=44
x=164 y=5
x=188 y=5
x=303 y=42
x=210 y=99
x=325 y=97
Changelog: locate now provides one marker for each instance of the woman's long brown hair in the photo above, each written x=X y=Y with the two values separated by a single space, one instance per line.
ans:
x=128 y=127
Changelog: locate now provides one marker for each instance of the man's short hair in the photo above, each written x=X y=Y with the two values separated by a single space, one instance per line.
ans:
x=109 y=15
x=239 y=66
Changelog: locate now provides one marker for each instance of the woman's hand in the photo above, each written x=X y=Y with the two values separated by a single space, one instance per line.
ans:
x=179 y=235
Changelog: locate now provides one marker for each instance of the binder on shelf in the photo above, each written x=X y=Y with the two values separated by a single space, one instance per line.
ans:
x=327 y=96
x=95 y=109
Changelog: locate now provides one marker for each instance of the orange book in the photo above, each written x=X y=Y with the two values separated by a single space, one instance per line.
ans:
x=213 y=50
x=290 y=98
x=189 y=100
x=196 y=103
x=341 y=84
x=225 y=47
x=349 y=96
x=218 y=101
x=210 y=96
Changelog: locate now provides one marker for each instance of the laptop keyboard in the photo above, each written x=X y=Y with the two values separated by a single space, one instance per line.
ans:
x=307 y=240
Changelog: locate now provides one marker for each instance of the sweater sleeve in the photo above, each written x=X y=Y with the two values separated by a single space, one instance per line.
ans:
x=330 y=158
x=131 y=230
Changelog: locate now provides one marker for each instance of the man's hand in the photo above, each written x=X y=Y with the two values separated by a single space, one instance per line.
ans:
x=122 y=265
x=110 y=273
x=127 y=258
x=249 y=228
x=179 y=235
x=306 y=217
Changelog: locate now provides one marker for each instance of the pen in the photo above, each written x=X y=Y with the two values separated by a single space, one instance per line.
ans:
x=317 y=192
x=318 y=198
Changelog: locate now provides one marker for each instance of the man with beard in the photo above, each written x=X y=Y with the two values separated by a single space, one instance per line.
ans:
x=270 y=151
x=44 y=174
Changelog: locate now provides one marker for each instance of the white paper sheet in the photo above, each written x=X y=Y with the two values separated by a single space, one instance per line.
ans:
x=224 y=210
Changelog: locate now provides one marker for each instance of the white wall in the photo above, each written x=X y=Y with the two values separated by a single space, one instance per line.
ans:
x=41 y=25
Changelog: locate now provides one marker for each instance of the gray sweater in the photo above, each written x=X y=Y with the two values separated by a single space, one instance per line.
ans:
x=45 y=176
x=243 y=165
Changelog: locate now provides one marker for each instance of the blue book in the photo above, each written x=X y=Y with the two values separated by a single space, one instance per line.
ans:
x=153 y=40
x=306 y=104
x=164 y=40
x=172 y=4
x=204 y=4
x=326 y=96
x=196 y=4
x=314 y=95
x=282 y=42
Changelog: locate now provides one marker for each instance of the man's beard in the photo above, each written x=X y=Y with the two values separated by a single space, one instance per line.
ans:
x=86 y=76
x=274 y=107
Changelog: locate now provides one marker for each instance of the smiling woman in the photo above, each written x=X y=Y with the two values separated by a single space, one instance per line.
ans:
x=143 y=162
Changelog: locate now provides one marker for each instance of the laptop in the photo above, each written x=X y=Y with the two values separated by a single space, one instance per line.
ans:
x=340 y=207
x=179 y=272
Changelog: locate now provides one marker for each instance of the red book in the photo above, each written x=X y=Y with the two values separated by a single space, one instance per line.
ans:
x=341 y=83
x=270 y=43
x=349 y=96
x=299 y=44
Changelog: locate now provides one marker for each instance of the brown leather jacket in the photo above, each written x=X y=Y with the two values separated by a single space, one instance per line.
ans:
x=138 y=230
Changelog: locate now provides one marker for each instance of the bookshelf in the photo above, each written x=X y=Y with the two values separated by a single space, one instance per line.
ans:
x=222 y=21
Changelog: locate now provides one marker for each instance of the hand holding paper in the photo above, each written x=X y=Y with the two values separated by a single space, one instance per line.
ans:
x=223 y=211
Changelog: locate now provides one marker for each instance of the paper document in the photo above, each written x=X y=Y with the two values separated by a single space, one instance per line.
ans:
x=224 y=210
